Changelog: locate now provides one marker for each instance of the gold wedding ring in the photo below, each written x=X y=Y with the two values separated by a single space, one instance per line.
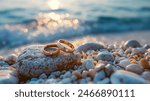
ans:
x=65 y=46
x=49 y=52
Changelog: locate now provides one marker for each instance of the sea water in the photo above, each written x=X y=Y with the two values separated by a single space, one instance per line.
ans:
x=39 y=21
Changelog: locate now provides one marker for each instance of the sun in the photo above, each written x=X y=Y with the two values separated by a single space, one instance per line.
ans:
x=53 y=4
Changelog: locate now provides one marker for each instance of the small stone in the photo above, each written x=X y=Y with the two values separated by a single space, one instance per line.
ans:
x=99 y=76
x=57 y=73
x=109 y=70
x=43 y=76
x=34 y=79
x=51 y=81
x=144 y=63
x=11 y=59
x=125 y=77
x=99 y=67
x=77 y=74
x=83 y=81
x=135 y=68
x=91 y=73
x=65 y=81
x=89 y=46
x=124 y=63
x=146 y=75
x=88 y=64
x=67 y=75
x=105 y=56
x=51 y=76
x=84 y=74
x=40 y=81
x=132 y=43
x=3 y=64
x=8 y=77
x=104 y=81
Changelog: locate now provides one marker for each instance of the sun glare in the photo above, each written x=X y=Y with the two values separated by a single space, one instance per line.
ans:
x=53 y=4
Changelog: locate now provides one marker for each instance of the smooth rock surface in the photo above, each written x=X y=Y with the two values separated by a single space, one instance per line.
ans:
x=123 y=63
x=89 y=46
x=8 y=77
x=132 y=43
x=99 y=76
x=32 y=62
x=146 y=75
x=125 y=77
x=134 y=68
x=11 y=59
x=105 y=56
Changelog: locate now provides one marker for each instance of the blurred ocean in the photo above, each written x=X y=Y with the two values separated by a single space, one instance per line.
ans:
x=39 y=21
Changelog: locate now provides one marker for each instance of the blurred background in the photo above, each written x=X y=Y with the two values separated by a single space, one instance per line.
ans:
x=25 y=22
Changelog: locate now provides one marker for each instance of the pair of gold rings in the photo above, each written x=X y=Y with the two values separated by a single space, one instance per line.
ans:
x=63 y=45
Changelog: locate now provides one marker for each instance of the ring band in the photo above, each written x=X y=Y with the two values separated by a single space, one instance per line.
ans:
x=64 y=48
x=49 y=53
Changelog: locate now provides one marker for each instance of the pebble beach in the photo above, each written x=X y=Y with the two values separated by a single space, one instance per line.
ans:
x=95 y=61
x=110 y=41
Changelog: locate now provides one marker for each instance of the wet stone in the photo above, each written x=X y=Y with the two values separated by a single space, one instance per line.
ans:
x=89 y=46
x=132 y=43
x=134 y=68
x=125 y=77
x=8 y=77
x=104 y=81
x=32 y=62
x=68 y=74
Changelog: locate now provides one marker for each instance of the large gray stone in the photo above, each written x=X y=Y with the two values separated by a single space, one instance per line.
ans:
x=89 y=46
x=32 y=62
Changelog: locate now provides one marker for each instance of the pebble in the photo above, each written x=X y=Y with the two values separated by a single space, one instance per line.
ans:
x=8 y=77
x=43 y=76
x=11 y=59
x=3 y=64
x=124 y=63
x=57 y=73
x=99 y=67
x=105 y=56
x=88 y=64
x=51 y=81
x=144 y=63
x=65 y=81
x=77 y=74
x=83 y=81
x=146 y=75
x=104 y=81
x=99 y=76
x=135 y=68
x=67 y=75
x=132 y=43
x=84 y=74
x=89 y=46
x=126 y=77
x=91 y=73
x=109 y=70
